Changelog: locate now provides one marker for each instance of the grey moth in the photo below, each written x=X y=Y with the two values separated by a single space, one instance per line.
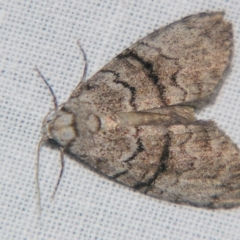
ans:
x=133 y=121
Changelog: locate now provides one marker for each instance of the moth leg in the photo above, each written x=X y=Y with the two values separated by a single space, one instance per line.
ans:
x=61 y=172
x=37 y=175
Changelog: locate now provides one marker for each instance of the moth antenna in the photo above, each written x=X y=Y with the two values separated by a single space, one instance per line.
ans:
x=85 y=61
x=49 y=87
x=37 y=176
x=42 y=139
x=61 y=172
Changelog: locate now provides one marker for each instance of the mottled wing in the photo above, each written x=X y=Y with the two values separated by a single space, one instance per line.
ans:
x=180 y=63
x=202 y=168
x=194 y=164
x=130 y=155
x=188 y=58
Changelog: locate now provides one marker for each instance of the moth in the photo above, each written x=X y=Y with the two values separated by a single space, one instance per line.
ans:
x=134 y=122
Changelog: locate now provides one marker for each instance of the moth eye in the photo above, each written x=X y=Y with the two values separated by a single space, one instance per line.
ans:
x=90 y=87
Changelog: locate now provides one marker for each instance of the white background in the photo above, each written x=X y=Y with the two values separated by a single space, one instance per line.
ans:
x=88 y=206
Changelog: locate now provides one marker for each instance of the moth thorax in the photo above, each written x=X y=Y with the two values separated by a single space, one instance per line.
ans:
x=93 y=123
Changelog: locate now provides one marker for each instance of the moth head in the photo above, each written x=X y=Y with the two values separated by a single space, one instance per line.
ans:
x=59 y=126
